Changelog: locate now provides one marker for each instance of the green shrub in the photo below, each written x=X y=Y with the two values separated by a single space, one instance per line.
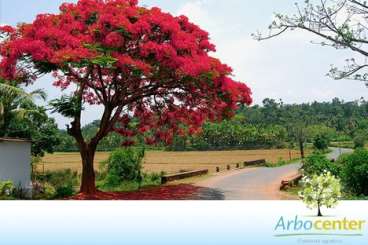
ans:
x=20 y=193
x=123 y=172
x=148 y=180
x=59 y=178
x=280 y=162
x=355 y=172
x=6 y=189
x=316 y=164
x=152 y=179
x=63 y=182
x=43 y=191
x=359 y=142
x=112 y=180
x=123 y=165
x=321 y=142
x=10 y=191
x=64 y=191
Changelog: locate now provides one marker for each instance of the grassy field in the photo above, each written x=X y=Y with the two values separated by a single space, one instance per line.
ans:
x=172 y=162
x=346 y=144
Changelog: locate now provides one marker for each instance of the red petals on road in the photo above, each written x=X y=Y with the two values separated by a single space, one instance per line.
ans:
x=171 y=192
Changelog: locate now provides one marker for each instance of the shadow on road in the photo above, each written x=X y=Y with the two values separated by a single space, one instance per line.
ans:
x=210 y=194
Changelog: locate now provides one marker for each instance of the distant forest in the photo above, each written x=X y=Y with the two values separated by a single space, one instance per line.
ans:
x=271 y=125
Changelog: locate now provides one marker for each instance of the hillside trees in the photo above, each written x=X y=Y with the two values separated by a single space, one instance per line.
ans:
x=250 y=129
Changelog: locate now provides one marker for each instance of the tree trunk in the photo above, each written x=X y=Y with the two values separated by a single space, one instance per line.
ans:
x=88 y=185
x=301 y=146
x=319 y=211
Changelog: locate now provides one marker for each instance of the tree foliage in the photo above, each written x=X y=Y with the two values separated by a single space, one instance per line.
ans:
x=334 y=119
x=359 y=141
x=20 y=117
x=234 y=134
x=355 y=172
x=321 y=142
x=145 y=67
x=316 y=164
x=257 y=127
x=276 y=124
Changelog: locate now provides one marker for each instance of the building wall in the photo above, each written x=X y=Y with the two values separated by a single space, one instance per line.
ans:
x=15 y=162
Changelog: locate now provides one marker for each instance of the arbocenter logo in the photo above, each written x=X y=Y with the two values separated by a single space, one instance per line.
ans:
x=319 y=191
x=318 y=226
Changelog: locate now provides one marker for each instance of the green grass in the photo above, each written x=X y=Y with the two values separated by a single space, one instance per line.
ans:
x=125 y=186
x=129 y=186
x=281 y=163
x=294 y=191
x=346 y=144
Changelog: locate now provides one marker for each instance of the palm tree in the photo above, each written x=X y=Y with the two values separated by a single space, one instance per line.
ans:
x=15 y=102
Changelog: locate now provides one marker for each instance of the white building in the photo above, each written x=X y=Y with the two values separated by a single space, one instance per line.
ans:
x=15 y=161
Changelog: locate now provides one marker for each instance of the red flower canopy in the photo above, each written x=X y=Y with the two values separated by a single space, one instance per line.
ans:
x=141 y=64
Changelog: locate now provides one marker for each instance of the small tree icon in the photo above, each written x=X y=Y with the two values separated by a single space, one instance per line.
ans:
x=321 y=190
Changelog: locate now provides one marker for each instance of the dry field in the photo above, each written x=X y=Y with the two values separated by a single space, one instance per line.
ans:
x=172 y=162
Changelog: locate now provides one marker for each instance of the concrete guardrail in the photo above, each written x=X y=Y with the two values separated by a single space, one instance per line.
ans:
x=290 y=182
x=179 y=176
x=255 y=162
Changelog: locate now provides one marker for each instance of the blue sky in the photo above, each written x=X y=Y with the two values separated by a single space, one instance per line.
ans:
x=288 y=67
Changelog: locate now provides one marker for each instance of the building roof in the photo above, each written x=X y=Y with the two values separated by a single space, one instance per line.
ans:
x=15 y=140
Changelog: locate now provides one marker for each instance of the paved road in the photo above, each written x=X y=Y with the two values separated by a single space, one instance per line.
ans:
x=253 y=183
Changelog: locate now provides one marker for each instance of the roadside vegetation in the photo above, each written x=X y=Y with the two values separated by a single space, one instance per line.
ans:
x=123 y=171
x=350 y=169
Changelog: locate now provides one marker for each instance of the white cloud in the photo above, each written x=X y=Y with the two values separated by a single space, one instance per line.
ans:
x=287 y=67
x=196 y=12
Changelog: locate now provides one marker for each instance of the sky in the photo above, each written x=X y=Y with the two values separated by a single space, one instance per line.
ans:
x=288 y=67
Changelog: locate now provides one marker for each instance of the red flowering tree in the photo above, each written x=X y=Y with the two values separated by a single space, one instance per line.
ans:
x=152 y=72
